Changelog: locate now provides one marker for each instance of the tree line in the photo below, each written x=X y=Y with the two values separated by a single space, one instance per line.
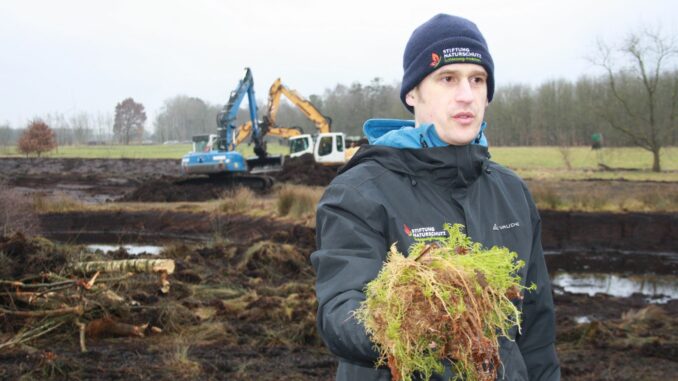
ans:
x=557 y=112
x=125 y=126
x=633 y=101
x=77 y=129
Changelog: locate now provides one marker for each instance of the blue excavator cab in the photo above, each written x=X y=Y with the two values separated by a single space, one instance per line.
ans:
x=215 y=154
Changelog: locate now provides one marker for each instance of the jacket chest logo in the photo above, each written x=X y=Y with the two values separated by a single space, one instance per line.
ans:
x=506 y=226
x=424 y=232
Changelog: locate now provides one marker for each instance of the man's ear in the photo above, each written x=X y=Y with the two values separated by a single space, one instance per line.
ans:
x=410 y=98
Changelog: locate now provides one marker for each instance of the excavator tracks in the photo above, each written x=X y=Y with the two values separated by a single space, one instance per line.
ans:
x=231 y=180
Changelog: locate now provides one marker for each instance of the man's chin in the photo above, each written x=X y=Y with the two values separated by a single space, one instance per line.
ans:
x=459 y=140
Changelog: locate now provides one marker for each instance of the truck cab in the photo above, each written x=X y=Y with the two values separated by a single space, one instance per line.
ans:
x=327 y=147
x=204 y=143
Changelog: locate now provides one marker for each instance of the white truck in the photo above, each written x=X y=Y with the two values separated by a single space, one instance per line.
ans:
x=327 y=147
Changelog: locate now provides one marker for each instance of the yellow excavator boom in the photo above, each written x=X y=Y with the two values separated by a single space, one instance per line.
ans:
x=268 y=125
x=244 y=130
x=322 y=123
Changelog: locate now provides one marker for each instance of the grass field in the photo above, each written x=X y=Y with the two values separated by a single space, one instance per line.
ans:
x=159 y=151
x=529 y=162
x=548 y=163
x=582 y=157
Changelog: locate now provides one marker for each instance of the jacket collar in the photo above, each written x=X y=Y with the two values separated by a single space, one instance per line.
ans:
x=405 y=134
x=457 y=166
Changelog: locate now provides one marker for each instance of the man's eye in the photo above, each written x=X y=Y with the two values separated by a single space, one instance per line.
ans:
x=447 y=78
x=478 y=80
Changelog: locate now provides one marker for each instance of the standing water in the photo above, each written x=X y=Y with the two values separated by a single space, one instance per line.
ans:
x=131 y=249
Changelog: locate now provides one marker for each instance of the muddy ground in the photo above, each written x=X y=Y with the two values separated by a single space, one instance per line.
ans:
x=560 y=230
x=101 y=180
x=242 y=306
x=154 y=180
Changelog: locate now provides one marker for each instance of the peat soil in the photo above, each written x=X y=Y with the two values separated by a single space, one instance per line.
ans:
x=151 y=180
x=243 y=308
x=159 y=180
x=562 y=231
x=242 y=304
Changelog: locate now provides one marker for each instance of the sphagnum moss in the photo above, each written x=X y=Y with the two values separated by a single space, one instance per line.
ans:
x=445 y=301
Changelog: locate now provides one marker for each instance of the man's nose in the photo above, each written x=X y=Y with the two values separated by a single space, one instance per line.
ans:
x=464 y=92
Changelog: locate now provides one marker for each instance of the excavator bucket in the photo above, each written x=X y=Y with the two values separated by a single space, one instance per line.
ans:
x=265 y=164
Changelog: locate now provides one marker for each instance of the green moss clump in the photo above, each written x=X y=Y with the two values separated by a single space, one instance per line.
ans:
x=445 y=301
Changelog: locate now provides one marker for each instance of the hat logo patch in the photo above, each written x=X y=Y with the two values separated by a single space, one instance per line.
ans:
x=435 y=60
x=451 y=55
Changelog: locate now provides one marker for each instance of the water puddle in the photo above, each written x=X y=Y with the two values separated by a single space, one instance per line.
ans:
x=582 y=319
x=131 y=249
x=655 y=288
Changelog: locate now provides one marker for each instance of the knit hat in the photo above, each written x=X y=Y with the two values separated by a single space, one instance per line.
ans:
x=444 y=40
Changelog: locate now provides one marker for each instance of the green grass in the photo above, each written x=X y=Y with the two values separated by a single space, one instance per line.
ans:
x=590 y=174
x=514 y=157
x=159 y=151
x=174 y=151
x=545 y=163
x=582 y=158
x=548 y=163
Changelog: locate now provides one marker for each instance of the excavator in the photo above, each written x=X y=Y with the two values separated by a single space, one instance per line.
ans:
x=327 y=147
x=216 y=155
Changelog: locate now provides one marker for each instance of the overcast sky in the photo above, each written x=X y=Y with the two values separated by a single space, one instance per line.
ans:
x=72 y=56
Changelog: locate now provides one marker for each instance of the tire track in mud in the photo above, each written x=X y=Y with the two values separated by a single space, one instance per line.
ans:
x=560 y=230
x=169 y=226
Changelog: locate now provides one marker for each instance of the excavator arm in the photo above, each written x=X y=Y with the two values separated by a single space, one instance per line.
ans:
x=323 y=123
x=244 y=130
x=231 y=135
x=217 y=155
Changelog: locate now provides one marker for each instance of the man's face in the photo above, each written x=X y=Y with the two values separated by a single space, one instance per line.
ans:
x=454 y=99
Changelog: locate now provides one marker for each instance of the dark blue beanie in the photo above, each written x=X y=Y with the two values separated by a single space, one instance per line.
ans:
x=444 y=40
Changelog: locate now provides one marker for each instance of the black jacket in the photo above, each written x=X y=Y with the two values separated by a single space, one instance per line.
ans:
x=386 y=195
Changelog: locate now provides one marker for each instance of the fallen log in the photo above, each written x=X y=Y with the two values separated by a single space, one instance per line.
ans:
x=127 y=265
x=162 y=267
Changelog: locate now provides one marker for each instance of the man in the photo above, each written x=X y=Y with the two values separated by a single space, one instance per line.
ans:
x=412 y=179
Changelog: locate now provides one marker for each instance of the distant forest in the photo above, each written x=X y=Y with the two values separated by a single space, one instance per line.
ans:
x=557 y=112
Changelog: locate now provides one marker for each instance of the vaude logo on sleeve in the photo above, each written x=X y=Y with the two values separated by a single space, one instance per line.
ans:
x=425 y=232
x=507 y=226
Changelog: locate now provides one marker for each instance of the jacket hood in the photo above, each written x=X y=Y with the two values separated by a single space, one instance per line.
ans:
x=448 y=165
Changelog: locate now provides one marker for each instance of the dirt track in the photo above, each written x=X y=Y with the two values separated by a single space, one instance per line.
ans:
x=159 y=180
x=155 y=180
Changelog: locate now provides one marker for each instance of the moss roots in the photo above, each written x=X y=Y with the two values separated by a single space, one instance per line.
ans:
x=448 y=300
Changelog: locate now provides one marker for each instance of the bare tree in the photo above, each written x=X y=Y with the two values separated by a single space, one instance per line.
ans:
x=182 y=117
x=81 y=126
x=129 y=120
x=7 y=134
x=644 y=90
x=104 y=122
